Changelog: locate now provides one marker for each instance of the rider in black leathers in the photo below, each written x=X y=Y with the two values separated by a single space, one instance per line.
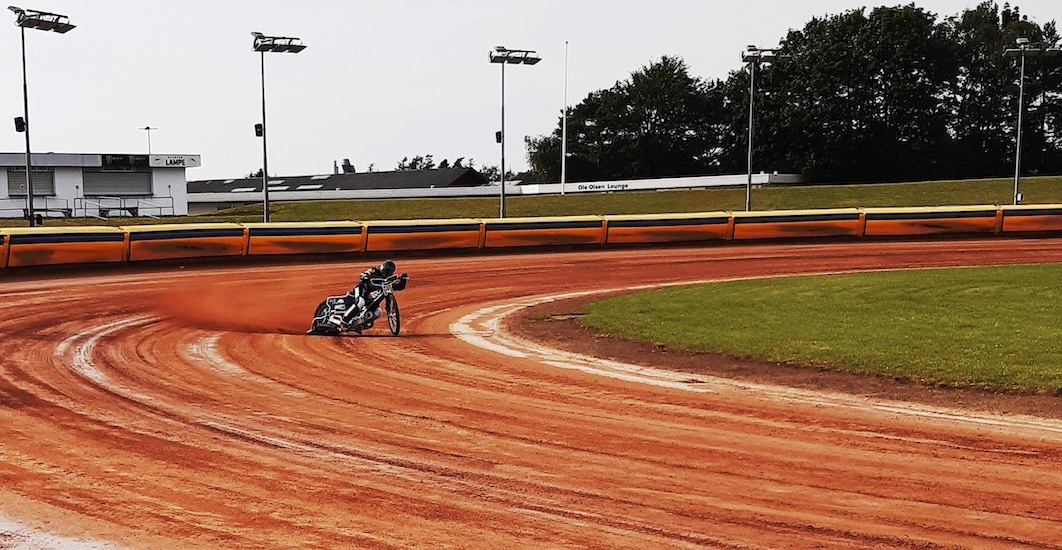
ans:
x=355 y=299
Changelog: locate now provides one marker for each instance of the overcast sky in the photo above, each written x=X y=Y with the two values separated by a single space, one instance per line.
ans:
x=379 y=80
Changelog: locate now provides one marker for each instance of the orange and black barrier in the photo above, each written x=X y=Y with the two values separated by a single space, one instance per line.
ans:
x=558 y=231
x=268 y=239
x=38 y=246
x=797 y=224
x=179 y=241
x=390 y=236
x=1031 y=218
x=898 y=222
x=42 y=246
x=668 y=228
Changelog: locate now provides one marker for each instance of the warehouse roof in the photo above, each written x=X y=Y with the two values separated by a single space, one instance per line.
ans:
x=402 y=179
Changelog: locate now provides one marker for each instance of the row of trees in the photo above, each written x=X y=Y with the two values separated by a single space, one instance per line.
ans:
x=427 y=162
x=892 y=95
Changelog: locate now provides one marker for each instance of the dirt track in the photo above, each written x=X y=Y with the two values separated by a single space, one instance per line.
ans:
x=186 y=408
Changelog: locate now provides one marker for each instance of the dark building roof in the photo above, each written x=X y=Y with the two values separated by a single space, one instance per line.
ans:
x=408 y=179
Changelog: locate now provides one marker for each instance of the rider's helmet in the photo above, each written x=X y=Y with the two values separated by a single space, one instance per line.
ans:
x=387 y=268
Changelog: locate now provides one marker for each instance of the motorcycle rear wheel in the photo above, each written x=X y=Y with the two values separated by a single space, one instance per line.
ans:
x=320 y=324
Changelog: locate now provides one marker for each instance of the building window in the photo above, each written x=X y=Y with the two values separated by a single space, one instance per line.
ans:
x=43 y=181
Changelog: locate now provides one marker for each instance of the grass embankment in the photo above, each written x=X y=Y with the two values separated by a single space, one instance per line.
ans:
x=1039 y=190
x=997 y=328
x=1043 y=190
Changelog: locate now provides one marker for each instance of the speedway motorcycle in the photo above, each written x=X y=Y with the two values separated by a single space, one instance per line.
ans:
x=328 y=317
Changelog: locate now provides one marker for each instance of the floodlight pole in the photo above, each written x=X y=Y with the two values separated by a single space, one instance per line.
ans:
x=1023 y=50
x=754 y=56
x=752 y=103
x=148 y=129
x=263 y=44
x=265 y=150
x=25 y=109
x=501 y=203
x=564 y=124
x=504 y=56
x=45 y=21
x=1021 y=113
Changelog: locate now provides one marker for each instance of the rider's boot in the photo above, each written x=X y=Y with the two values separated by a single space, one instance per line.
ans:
x=349 y=318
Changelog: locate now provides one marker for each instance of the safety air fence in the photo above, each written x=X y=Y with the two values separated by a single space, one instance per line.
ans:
x=49 y=246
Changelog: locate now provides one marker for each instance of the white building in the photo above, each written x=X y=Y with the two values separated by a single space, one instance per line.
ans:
x=96 y=185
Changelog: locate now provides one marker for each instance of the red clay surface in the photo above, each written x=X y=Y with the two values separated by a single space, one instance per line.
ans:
x=186 y=408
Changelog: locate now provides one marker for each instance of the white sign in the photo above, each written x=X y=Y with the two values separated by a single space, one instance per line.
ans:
x=174 y=161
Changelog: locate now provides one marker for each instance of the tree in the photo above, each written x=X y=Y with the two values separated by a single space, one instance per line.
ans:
x=418 y=162
x=427 y=162
x=865 y=97
x=660 y=122
x=895 y=95
x=493 y=173
x=891 y=94
x=257 y=174
x=1042 y=128
x=980 y=115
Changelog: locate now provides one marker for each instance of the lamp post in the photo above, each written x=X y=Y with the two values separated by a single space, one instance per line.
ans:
x=148 y=129
x=1024 y=49
x=45 y=21
x=263 y=44
x=564 y=124
x=754 y=56
x=505 y=56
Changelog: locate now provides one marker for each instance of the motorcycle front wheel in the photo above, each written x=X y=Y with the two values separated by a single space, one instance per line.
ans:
x=394 y=321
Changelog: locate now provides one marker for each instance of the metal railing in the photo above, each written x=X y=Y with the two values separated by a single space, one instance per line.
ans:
x=104 y=207
x=155 y=208
x=43 y=206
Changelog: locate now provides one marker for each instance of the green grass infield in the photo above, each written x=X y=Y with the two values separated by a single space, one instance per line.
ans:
x=997 y=328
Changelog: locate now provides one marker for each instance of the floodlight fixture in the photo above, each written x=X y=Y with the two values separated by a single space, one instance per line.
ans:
x=277 y=44
x=501 y=54
x=41 y=20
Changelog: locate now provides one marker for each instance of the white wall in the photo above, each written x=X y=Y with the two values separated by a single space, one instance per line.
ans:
x=169 y=187
x=9 y=207
x=68 y=184
x=171 y=182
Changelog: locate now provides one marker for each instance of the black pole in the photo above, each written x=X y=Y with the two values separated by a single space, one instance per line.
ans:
x=265 y=154
x=752 y=101
x=29 y=163
x=502 y=202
